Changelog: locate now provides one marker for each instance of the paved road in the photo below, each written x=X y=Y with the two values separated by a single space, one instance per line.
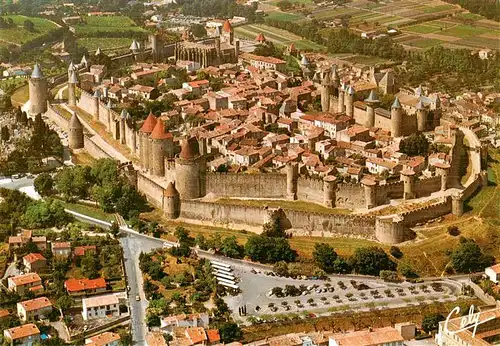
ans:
x=16 y=184
x=133 y=245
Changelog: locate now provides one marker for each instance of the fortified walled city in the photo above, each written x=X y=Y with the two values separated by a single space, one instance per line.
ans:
x=268 y=173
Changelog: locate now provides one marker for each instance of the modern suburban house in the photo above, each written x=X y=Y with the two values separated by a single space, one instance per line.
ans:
x=34 y=309
x=26 y=282
x=25 y=335
x=100 y=307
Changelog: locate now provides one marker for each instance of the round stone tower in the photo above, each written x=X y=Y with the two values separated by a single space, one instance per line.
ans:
x=329 y=191
x=292 y=174
x=371 y=103
x=171 y=202
x=326 y=85
x=95 y=105
x=189 y=166
x=75 y=135
x=145 y=145
x=370 y=193
x=442 y=170
x=340 y=104
x=396 y=118
x=421 y=116
x=159 y=140
x=72 y=82
x=38 y=91
x=407 y=177
x=349 y=101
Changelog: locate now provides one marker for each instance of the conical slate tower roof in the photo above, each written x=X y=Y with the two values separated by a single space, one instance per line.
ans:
x=124 y=114
x=170 y=191
x=350 y=90
x=304 y=61
x=84 y=60
x=37 y=72
x=335 y=74
x=149 y=124
x=98 y=51
x=396 y=103
x=134 y=45
x=372 y=98
x=74 y=122
x=420 y=105
x=326 y=78
x=72 y=78
x=97 y=93
x=419 y=91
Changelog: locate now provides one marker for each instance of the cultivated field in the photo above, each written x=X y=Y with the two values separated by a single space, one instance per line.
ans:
x=423 y=24
x=277 y=36
x=18 y=35
x=114 y=24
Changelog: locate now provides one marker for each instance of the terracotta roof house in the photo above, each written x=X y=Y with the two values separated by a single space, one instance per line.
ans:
x=23 y=283
x=104 y=339
x=87 y=286
x=25 y=335
x=35 y=262
x=34 y=309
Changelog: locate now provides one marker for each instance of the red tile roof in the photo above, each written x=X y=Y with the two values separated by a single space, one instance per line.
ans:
x=213 y=335
x=77 y=285
x=23 y=331
x=36 y=304
x=149 y=124
x=159 y=131
x=26 y=279
x=82 y=250
x=33 y=257
x=196 y=335
x=260 y=38
x=227 y=27
x=103 y=339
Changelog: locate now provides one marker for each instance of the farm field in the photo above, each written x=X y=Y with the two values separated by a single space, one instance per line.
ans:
x=115 y=24
x=276 y=36
x=283 y=16
x=18 y=35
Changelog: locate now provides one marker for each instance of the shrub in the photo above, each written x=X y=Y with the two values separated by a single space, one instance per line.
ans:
x=453 y=231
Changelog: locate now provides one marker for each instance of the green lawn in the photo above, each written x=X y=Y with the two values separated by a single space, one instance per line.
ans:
x=93 y=25
x=92 y=43
x=19 y=35
x=89 y=211
x=286 y=17
x=479 y=42
x=294 y=205
x=21 y=95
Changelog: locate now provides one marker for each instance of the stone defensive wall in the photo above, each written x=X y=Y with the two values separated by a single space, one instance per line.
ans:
x=426 y=186
x=57 y=118
x=310 y=189
x=152 y=190
x=384 y=193
x=94 y=149
x=272 y=185
x=350 y=196
x=298 y=222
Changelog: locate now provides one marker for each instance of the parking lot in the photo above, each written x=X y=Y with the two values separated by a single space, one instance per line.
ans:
x=264 y=295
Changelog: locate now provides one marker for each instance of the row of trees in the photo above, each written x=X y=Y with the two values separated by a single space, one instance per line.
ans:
x=218 y=9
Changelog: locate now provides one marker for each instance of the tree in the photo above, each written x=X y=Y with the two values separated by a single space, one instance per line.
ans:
x=468 y=257
x=198 y=30
x=28 y=25
x=407 y=270
x=5 y=134
x=396 y=252
x=371 y=260
x=231 y=248
x=415 y=144
x=90 y=266
x=114 y=229
x=230 y=332
x=269 y=250
x=272 y=229
x=324 y=256
x=430 y=322
x=453 y=231
x=281 y=268
x=64 y=302
x=44 y=184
